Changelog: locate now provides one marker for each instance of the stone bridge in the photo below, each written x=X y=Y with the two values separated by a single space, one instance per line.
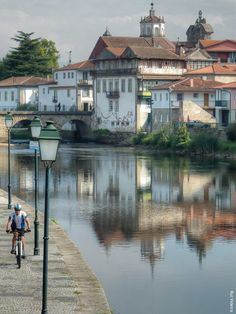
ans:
x=79 y=123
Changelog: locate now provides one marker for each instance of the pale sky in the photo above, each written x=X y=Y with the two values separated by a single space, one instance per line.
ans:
x=75 y=25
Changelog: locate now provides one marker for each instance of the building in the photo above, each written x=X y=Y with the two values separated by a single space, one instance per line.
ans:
x=220 y=72
x=200 y=30
x=226 y=103
x=20 y=93
x=186 y=100
x=223 y=50
x=125 y=70
x=70 y=90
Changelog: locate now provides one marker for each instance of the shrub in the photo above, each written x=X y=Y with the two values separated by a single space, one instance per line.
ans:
x=231 y=132
x=138 y=138
x=181 y=137
x=204 y=143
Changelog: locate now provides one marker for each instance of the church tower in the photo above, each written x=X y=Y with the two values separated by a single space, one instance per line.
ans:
x=152 y=25
x=200 y=30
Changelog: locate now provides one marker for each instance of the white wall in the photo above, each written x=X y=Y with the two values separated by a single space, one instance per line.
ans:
x=121 y=118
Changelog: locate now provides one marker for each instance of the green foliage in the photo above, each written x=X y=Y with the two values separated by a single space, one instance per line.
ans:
x=34 y=57
x=138 y=138
x=181 y=137
x=228 y=147
x=231 y=132
x=204 y=143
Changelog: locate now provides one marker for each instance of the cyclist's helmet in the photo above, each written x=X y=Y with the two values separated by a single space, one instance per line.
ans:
x=17 y=206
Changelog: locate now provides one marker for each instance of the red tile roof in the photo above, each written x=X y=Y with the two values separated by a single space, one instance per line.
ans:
x=231 y=85
x=124 y=42
x=23 y=81
x=115 y=51
x=78 y=66
x=190 y=84
x=153 y=53
x=215 y=68
x=226 y=45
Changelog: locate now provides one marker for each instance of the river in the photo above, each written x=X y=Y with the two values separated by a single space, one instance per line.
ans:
x=159 y=232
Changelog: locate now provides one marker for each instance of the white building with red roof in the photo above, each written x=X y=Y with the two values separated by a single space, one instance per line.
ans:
x=125 y=70
x=186 y=100
x=70 y=90
x=20 y=93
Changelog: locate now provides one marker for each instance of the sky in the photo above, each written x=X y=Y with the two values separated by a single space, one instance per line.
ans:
x=75 y=25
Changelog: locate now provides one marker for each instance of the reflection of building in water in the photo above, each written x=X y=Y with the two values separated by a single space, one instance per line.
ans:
x=116 y=180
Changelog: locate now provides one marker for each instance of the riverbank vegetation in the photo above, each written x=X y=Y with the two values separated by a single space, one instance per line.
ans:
x=179 y=139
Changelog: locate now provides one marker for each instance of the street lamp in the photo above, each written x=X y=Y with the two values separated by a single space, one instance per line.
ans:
x=35 y=127
x=48 y=144
x=9 y=123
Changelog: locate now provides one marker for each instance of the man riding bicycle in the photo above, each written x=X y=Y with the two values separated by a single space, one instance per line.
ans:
x=18 y=221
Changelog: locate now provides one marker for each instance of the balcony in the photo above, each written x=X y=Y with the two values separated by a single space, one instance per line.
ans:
x=144 y=94
x=85 y=82
x=113 y=94
x=222 y=103
x=111 y=72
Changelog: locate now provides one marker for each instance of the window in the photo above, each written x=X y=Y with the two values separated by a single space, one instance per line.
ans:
x=72 y=75
x=123 y=85
x=68 y=92
x=129 y=85
x=179 y=97
x=104 y=86
x=56 y=76
x=112 y=123
x=12 y=96
x=155 y=96
x=5 y=96
x=110 y=85
x=85 y=76
x=167 y=96
x=43 y=90
x=68 y=75
x=116 y=106
x=110 y=106
x=116 y=85
x=98 y=86
x=195 y=95
x=160 y=96
x=64 y=75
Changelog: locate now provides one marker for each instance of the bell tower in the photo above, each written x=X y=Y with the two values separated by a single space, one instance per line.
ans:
x=152 y=25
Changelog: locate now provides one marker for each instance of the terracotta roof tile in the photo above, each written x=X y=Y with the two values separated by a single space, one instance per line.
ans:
x=190 y=84
x=231 y=85
x=23 y=81
x=116 y=51
x=153 y=53
x=78 y=66
x=215 y=68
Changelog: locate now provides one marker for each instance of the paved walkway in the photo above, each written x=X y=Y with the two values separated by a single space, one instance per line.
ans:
x=72 y=287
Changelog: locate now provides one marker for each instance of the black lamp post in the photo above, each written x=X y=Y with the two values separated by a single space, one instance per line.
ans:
x=9 y=123
x=48 y=144
x=35 y=127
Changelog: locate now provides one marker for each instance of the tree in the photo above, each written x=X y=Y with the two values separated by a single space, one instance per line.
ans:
x=48 y=49
x=32 y=56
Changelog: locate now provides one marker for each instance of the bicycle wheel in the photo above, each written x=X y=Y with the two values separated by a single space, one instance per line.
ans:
x=18 y=256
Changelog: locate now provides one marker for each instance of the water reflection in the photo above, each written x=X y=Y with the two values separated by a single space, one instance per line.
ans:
x=136 y=201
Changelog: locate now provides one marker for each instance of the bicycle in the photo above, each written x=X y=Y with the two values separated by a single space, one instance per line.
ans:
x=19 y=246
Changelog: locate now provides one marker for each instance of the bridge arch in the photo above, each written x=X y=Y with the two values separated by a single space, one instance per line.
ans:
x=76 y=130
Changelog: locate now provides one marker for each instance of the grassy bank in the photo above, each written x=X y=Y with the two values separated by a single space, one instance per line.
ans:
x=180 y=140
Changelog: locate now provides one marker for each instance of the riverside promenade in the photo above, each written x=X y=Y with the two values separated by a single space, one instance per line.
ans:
x=72 y=287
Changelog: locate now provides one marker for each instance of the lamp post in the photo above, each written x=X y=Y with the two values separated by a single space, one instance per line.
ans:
x=9 y=123
x=48 y=144
x=35 y=127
